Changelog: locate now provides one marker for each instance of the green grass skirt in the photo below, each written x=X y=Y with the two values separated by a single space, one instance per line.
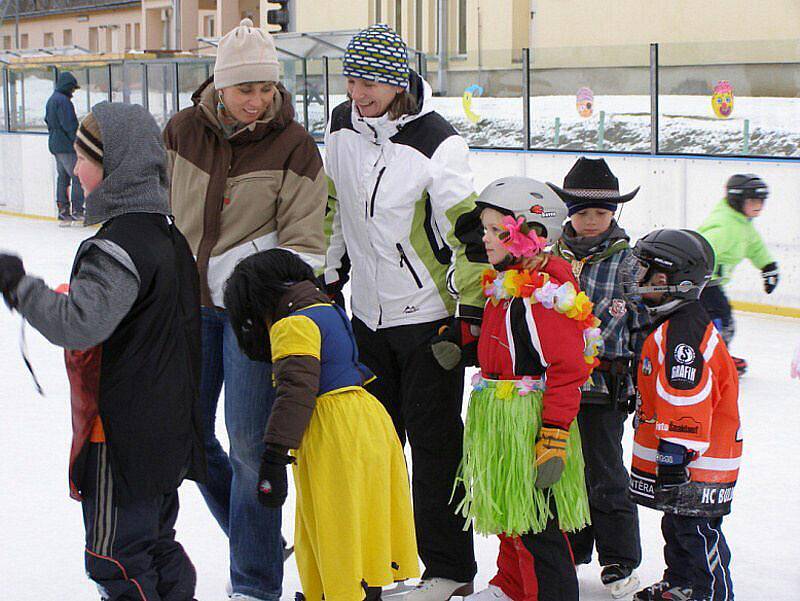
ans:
x=499 y=466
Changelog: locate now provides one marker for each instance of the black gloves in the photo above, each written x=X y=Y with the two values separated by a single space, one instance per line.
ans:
x=272 y=482
x=672 y=460
x=11 y=272
x=456 y=344
x=769 y=273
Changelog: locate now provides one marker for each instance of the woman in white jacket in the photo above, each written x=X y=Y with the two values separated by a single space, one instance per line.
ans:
x=403 y=228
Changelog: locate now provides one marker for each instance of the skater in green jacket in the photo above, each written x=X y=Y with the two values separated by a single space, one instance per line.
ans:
x=730 y=231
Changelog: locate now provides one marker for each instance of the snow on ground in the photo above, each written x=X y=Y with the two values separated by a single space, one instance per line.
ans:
x=41 y=532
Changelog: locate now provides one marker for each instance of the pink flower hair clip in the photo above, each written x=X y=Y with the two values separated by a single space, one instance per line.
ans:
x=519 y=243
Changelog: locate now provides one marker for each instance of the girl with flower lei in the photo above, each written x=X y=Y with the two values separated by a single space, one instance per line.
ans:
x=523 y=466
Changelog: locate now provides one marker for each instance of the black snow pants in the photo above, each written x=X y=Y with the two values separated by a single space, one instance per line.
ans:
x=614 y=530
x=131 y=552
x=424 y=402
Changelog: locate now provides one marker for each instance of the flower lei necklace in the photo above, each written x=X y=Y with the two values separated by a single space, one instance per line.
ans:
x=536 y=286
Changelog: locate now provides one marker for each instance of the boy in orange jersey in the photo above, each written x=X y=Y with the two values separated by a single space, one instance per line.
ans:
x=687 y=445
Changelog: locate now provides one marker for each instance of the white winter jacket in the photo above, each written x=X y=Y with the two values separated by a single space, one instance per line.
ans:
x=401 y=210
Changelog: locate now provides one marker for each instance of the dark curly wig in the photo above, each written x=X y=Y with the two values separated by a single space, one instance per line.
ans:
x=252 y=293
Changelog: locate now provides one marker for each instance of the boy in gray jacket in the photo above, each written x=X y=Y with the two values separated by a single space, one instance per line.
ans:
x=131 y=326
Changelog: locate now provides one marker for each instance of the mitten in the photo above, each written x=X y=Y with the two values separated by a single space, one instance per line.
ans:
x=273 y=485
x=551 y=455
x=770 y=275
x=456 y=344
x=11 y=272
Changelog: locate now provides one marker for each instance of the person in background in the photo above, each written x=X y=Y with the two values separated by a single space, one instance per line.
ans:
x=688 y=443
x=354 y=529
x=135 y=415
x=246 y=177
x=595 y=246
x=730 y=231
x=401 y=217
x=62 y=125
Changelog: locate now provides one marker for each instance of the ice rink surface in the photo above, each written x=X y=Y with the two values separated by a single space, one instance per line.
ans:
x=41 y=532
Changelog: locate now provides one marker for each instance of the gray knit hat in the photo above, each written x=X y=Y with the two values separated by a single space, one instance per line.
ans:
x=245 y=54
x=378 y=54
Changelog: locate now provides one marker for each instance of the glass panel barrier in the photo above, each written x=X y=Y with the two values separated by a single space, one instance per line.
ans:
x=29 y=89
x=160 y=91
x=482 y=98
x=711 y=102
x=591 y=98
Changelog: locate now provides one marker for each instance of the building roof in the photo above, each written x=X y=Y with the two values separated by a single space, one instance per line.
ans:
x=38 y=8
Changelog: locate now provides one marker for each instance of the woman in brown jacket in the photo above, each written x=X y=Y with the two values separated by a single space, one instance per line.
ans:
x=246 y=177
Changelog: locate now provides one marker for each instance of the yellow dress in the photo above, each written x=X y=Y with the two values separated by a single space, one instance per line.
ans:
x=354 y=520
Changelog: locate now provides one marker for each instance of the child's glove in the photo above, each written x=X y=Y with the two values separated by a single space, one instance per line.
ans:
x=11 y=272
x=796 y=363
x=770 y=275
x=672 y=461
x=272 y=482
x=551 y=455
x=456 y=344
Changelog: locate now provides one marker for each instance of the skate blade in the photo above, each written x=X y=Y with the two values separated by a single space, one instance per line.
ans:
x=625 y=587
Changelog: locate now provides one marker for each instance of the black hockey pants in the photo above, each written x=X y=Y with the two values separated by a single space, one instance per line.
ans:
x=424 y=402
x=615 y=522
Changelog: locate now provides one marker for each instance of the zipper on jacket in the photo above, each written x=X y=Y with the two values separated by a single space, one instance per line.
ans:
x=404 y=260
x=375 y=192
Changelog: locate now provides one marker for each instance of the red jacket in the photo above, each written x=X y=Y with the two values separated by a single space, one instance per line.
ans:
x=689 y=391
x=520 y=338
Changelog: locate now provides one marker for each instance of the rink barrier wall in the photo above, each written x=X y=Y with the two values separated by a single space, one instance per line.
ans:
x=676 y=191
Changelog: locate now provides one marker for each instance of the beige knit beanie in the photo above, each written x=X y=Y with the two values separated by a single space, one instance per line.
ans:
x=245 y=54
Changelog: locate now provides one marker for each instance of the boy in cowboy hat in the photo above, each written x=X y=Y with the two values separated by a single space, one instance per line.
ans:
x=596 y=246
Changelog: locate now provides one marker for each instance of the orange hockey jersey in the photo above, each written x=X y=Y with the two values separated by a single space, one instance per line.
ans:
x=688 y=395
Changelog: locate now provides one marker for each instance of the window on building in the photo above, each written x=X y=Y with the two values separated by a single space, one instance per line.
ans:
x=94 y=40
x=23 y=40
x=67 y=37
x=209 y=26
x=128 y=36
x=109 y=39
x=419 y=41
x=6 y=42
x=398 y=16
x=378 y=15
x=137 y=36
x=49 y=42
x=462 y=26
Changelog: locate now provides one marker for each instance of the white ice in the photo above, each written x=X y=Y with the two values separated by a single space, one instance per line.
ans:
x=41 y=531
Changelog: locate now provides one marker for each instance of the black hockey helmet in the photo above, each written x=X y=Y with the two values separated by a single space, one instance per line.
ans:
x=683 y=255
x=742 y=186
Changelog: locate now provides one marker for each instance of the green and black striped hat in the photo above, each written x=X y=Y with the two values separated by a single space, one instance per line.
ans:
x=378 y=54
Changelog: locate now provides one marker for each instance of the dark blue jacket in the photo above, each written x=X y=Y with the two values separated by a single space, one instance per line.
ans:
x=62 y=123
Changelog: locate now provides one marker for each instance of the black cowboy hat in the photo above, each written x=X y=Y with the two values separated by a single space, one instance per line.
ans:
x=591 y=180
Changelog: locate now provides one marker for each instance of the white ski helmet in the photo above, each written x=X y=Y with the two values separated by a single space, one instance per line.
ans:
x=531 y=199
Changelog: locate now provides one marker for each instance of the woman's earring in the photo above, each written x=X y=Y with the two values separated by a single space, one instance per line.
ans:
x=220 y=103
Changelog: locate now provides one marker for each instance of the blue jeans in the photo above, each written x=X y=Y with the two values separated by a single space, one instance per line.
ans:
x=65 y=165
x=254 y=532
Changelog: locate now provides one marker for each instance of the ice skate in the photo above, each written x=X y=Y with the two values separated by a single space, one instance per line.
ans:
x=663 y=591
x=439 y=589
x=621 y=581
x=491 y=593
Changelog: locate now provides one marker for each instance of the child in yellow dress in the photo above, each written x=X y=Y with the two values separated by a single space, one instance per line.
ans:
x=354 y=529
